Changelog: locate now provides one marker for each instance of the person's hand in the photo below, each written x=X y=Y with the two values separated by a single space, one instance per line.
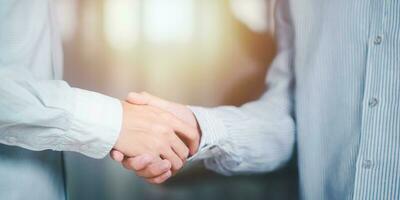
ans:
x=155 y=133
x=180 y=111
x=146 y=166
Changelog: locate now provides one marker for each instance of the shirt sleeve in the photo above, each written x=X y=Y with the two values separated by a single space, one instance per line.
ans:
x=258 y=136
x=49 y=114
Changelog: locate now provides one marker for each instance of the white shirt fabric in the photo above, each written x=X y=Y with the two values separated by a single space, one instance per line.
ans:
x=39 y=111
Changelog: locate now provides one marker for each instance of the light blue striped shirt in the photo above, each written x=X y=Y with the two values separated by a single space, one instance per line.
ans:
x=334 y=88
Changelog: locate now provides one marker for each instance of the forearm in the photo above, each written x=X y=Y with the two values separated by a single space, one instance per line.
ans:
x=236 y=140
x=49 y=114
x=258 y=136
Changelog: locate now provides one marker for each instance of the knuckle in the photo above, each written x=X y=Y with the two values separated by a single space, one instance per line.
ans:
x=158 y=145
x=155 y=146
x=161 y=146
x=173 y=139
x=170 y=137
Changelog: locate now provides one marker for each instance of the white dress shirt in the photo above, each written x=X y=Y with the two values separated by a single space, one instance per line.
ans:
x=38 y=111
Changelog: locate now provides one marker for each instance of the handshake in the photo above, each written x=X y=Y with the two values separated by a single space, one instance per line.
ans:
x=156 y=138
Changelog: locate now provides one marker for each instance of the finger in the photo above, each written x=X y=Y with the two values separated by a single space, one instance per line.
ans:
x=179 y=110
x=179 y=147
x=116 y=155
x=160 y=179
x=170 y=155
x=155 y=169
x=138 y=162
x=138 y=99
x=185 y=132
x=155 y=101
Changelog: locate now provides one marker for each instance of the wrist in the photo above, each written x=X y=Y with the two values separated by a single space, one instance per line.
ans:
x=198 y=138
x=211 y=127
x=119 y=144
x=96 y=122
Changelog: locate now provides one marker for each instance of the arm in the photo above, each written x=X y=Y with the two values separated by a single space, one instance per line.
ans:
x=256 y=137
x=39 y=114
x=49 y=114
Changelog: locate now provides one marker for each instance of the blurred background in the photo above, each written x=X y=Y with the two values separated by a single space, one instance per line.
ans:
x=197 y=52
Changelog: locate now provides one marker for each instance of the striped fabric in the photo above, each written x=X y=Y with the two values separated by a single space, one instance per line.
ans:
x=346 y=69
x=348 y=98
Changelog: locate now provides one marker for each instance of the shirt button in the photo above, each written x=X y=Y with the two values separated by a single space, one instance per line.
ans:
x=378 y=40
x=373 y=102
x=367 y=164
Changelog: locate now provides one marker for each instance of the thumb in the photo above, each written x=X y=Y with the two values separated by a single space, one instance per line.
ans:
x=160 y=103
x=116 y=155
x=138 y=99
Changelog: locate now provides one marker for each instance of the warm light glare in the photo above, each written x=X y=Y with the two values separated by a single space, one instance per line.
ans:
x=121 y=22
x=253 y=13
x=66 y=17
x=168 y=20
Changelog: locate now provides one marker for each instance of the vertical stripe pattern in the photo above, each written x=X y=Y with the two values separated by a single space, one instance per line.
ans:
x=347 y=66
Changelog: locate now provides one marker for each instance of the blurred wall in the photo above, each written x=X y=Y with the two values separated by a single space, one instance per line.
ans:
x=196 y=52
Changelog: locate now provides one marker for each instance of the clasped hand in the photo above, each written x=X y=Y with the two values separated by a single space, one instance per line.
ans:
x=157 y=137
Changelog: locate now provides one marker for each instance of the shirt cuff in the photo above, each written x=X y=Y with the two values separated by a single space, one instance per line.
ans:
x=96 y=123
x=213 y=132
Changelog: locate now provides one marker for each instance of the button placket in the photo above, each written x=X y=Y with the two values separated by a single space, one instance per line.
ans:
x=373 y=102
x=378 y=40
x=367 y=164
